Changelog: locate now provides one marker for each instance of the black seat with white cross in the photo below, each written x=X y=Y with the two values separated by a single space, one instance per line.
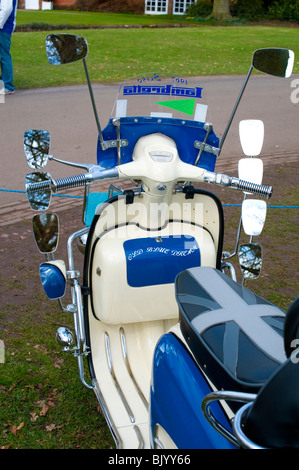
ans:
x=235 y=336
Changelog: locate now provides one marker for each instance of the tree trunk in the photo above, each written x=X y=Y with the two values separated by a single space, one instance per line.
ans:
x=221 y=9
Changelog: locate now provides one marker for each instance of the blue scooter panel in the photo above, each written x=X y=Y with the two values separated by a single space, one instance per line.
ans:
x=177 y=390
x=182 y=132
x=152 y=260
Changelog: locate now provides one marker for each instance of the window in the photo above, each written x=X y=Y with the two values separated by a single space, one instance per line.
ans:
x=180 y=6
x=156 y=7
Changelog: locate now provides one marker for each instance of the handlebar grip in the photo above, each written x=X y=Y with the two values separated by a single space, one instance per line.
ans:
x=257 y=189
x=70 y=182
x=236 y=183
x=61 y=184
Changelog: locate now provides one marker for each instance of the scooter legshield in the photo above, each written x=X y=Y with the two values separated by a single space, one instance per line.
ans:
x=177 y=390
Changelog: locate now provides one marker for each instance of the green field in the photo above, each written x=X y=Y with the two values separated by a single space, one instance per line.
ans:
x=116 y=53
x=74 y=18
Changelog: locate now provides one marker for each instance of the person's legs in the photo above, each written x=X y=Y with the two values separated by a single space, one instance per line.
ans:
x=6 y=61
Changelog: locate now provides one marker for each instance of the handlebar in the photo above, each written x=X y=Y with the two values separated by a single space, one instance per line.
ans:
x=103 y=174
x=82 y=180
x=74 y=181
x=236 y=183
x=70 y=182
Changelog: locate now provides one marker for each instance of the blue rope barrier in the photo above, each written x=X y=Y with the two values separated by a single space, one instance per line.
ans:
x=82 y=197
x=273 y=207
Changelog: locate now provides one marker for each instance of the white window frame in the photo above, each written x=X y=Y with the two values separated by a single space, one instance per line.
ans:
x=151 y=7
x=182 y=5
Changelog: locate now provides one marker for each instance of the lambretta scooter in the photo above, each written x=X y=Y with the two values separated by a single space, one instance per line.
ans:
x=160 y=323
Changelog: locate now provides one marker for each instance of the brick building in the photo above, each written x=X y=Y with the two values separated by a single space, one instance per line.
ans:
x=151 y=7
x=44 y=4
x=171 y=7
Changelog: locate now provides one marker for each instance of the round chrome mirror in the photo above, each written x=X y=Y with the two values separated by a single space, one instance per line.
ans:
x=64 y=336
x=65 y=48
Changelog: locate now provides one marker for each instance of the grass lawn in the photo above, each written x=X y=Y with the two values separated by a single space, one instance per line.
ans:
x=59 y=17
x=115 y=54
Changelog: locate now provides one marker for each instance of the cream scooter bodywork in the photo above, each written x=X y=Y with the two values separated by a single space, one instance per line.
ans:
x=124 y=322
x=118 y=323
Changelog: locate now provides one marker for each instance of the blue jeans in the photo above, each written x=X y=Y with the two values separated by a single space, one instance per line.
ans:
x=6 y=61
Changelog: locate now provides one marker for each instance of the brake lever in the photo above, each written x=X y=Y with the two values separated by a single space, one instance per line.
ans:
x=85 y=166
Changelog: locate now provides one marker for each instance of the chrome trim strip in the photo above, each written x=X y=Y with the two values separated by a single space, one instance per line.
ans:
x=125 y=356
x=158 y=444
x=118 y=388
x=110 y=423
x=139 y=437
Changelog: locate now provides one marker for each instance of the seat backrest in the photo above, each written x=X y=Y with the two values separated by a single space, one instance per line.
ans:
x=291 y=328
x=272 y=421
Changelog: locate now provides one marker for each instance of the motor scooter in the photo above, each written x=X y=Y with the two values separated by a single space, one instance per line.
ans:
x=159 y=316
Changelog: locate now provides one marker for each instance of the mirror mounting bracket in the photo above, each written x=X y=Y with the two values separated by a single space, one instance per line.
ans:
x=72 y=274
x=107 y=144
x=206 y=147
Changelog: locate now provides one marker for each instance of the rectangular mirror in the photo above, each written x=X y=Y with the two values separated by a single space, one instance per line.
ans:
x=36 y=148
x=274 y=61
x=38 y=189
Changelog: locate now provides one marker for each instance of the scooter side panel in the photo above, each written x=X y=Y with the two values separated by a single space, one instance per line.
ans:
x=177 y=390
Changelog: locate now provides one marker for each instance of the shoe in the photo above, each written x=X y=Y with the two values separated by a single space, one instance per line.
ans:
x=4 y=91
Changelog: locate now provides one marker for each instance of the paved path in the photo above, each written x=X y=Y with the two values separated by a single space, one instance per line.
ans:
x=66 y=113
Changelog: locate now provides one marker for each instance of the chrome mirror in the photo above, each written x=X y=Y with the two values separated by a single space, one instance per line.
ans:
x=250 y=260
x=36 y=148
x=65 y=48
x=38 y=188
x=46 y=231
x=251 y=132
x=274 y=61
x=64 y=336
x=253 y=216
x=251 y=169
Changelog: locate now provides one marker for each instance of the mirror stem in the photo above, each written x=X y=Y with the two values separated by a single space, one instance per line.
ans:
x=93 y=102
x=238 y=235
x=235 y=109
